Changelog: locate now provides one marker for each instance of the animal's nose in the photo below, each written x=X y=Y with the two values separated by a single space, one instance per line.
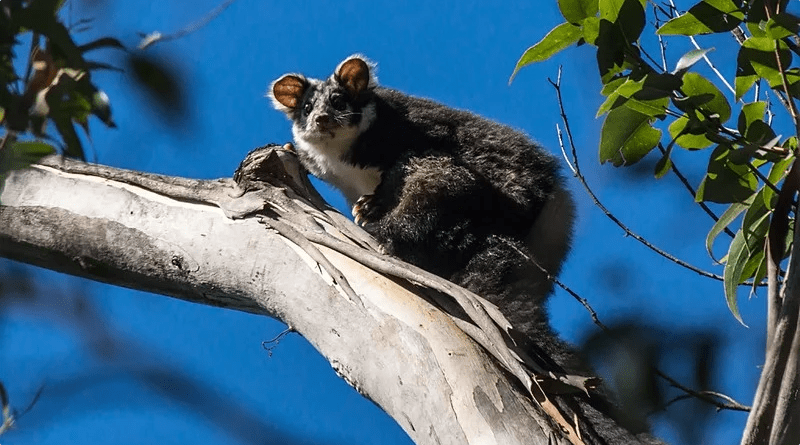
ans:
x=322 y=119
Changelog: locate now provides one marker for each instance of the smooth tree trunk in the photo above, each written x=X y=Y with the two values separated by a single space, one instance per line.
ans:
x=267 y=244
x=775 y=416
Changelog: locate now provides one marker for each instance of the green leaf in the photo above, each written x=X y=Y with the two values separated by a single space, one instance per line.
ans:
x=689 y=59
x=610 y=51
x=751 y=125
x=663 y=165
x=612 y=85
x=627 y=16
x=611 y=10
x=756 y=220
x=755 y=226
x=779 y=170
x=782 y=25
x=793 y=79
x=757 y=29
x=697 y=130
x=745 y=73
x=72 y=143
x=756 y=59
x=556 y=40
x=762 y=58
x=706 y=17
x=690 y=133
x=756 y=11
x=737 y=258
x=20 y=154
x=103 y=42
x=751 y=112
x=695 y=85
x=659 y=85
x=760 y=273
x=790 y=144
x=574 y=11
x=652 y=108
x=620 y=95
x=646 y=96
x=725 y=181
x=43 y=21
x=724 y=221
x=627 y=136
x=755 y=263
x=591 y=29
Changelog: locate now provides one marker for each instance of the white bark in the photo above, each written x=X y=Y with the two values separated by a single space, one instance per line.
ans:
x=775 y=416
x=171 y=236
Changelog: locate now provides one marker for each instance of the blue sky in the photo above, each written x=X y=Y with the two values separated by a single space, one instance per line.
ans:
x=125 y=367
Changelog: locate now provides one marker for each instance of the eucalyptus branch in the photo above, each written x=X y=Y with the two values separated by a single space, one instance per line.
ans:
x=791 y=106
x=603 y=208
x=705 y=57
x=659 y=7
x=584 y=302
x=711 y=397
x=155 y=36
x=707 y=396
x=661 y=43
x=711 y=65
x=650 y=58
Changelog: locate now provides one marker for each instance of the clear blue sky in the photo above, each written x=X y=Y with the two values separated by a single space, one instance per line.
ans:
x=133 y=368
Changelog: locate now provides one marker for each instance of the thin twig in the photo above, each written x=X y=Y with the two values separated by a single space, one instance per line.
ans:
x=711 y=65
x=270 y=345
x=702 y=395
x=706 y=396
x=763 y=178
x=553 y=279
x=791 y=106
x=155 y=36
x=598 y=204
x=691 y=190
x=661 y=43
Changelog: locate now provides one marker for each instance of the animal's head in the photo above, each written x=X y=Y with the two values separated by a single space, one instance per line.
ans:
x=327 y=109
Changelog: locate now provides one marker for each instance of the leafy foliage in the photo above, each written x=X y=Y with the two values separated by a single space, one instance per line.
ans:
x=56 y=87
x=747 y=164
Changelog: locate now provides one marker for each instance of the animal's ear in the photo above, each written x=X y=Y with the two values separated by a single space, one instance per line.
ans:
x=287 y=92
x=355 y=74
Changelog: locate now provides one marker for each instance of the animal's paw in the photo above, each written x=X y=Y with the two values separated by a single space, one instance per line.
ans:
x=364 y=210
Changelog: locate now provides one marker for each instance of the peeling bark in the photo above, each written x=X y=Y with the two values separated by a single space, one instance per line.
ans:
x=267 y=244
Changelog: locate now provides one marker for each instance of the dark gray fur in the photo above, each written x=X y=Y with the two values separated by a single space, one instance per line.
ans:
x=463 y=197
x=458 y=195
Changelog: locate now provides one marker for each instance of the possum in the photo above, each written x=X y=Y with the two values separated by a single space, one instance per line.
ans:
x=471 y=200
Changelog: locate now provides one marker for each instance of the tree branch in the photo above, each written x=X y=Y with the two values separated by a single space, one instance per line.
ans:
x=198 y=241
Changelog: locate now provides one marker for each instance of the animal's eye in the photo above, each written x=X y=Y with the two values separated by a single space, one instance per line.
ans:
x=337 y=102
x=308 y=107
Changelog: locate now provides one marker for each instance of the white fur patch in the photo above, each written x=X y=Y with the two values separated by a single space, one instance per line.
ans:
x=327 y=150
